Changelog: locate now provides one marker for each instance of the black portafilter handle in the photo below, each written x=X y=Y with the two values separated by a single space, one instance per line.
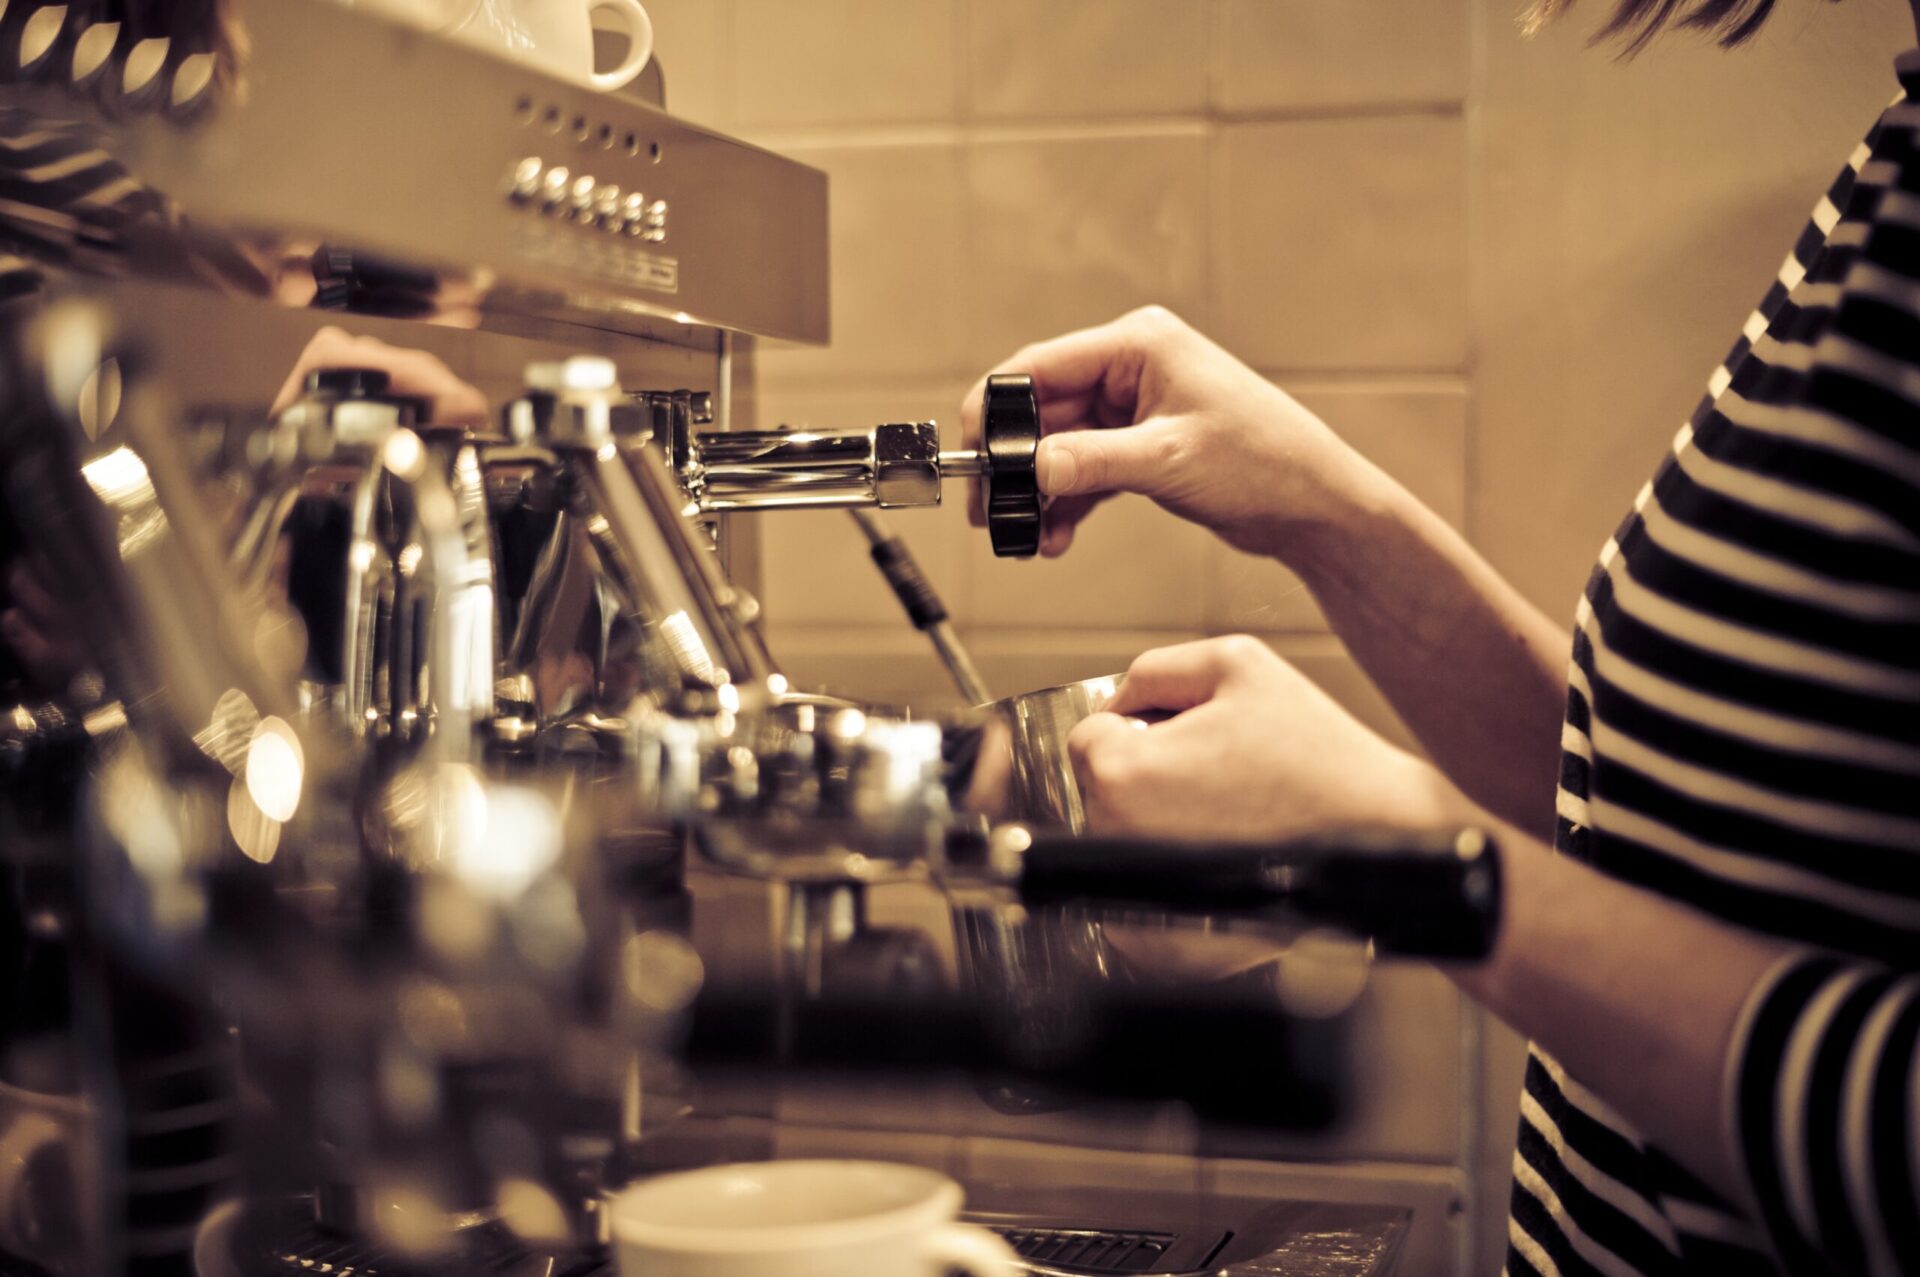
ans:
x=1428 y=895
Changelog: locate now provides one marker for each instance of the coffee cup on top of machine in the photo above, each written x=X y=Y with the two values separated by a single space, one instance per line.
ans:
x=554 y=35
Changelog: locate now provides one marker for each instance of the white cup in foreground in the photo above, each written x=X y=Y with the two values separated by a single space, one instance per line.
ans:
x=801 y=1219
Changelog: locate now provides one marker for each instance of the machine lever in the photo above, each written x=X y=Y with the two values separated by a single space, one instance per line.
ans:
x=888 y=466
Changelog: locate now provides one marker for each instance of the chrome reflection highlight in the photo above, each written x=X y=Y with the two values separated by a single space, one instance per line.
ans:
x=229 y=733
x=254 y=832
x=120 y=479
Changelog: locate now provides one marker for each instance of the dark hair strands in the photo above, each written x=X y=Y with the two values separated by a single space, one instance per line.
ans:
x=1637 y=22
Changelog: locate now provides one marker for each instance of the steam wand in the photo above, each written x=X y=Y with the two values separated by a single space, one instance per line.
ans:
x=923 y=605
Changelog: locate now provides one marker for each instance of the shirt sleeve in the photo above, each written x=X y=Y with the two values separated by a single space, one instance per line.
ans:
x=1824 y=1110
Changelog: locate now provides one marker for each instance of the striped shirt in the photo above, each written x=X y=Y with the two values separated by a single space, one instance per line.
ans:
x=1743 y=734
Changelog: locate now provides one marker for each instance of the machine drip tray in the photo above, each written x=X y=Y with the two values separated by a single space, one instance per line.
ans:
x=1057 y=1232
x=1103 y=1250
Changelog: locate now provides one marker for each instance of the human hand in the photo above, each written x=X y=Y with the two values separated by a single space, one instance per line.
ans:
x=412 y=372
x=1146 y=404
x=1254 y=750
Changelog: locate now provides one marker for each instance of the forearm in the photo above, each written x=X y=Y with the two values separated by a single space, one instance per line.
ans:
x=1477 y=672
x=1640 y=994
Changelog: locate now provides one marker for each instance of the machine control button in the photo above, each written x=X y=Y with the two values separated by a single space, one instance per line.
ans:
x=580 y=198
x=653 y=227
x=633 y=213
x=606 y=206
x=553 y=187
x=1010 y=438
x=524 y=185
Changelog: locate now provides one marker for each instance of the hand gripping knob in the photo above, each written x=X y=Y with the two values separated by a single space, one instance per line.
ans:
x=1010 y=439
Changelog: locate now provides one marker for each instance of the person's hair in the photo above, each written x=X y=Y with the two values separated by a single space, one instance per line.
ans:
x=1635 y=22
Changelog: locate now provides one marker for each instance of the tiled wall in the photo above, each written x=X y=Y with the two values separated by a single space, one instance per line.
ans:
x=1500 y=268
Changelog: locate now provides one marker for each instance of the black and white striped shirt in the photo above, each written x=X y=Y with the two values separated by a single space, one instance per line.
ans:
x=1743 y=734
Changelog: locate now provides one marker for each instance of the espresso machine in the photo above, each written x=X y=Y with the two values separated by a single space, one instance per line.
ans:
x=361 y=866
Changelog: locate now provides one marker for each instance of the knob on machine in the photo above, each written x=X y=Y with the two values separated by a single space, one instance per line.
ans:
x=1010 y=440
x=891 y=466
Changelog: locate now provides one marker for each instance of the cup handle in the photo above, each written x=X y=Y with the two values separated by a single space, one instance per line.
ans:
x=969 y=1249
x=639 y=28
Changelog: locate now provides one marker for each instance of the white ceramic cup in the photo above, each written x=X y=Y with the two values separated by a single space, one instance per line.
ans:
x=562 y=35
x=556 y=35
x=801 y=1219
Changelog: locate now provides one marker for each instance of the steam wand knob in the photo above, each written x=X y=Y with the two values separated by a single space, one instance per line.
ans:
x=1009 y=489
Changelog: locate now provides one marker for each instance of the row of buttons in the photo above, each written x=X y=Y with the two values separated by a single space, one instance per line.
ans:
x=583 y=199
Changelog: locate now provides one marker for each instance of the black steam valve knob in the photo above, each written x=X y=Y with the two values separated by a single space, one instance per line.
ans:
x=1009 y=488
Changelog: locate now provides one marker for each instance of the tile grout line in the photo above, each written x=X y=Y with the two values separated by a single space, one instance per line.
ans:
x=874 y=133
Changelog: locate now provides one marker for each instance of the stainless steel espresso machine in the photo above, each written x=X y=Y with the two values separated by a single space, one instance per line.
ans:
x=370 y=818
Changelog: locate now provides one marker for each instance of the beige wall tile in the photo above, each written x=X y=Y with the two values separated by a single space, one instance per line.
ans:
x=803 y=62
x=1317 y=54
x=1432 y=1193
x=1074 y=231
x=1039 y=58
x=1132 y=566
x=897 y=235
x=1026 y=660
x=891 y=666
x=1249 y=592
x=689 y=41
x=1342 y=243
x=897 y=666
x=1014 y=661
x=1417 y=435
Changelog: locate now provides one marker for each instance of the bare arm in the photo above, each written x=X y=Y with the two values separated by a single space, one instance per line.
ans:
x=1477 y=672
x=1781 y=1078
x=1645 y=993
